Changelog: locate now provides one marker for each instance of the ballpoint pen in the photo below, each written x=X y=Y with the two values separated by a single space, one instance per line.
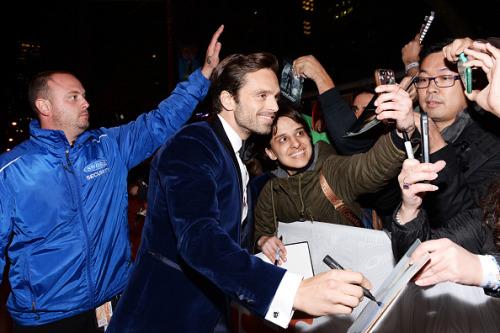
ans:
x=335 y=265
x=277 y=258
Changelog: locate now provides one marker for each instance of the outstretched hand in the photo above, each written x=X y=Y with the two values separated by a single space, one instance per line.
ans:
x=449 y=262
x=212 y=56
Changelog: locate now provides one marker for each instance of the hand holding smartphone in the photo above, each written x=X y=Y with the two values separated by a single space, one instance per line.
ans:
x=368 y=119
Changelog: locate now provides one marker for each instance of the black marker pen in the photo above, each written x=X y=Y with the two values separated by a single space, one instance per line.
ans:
x=335 y=265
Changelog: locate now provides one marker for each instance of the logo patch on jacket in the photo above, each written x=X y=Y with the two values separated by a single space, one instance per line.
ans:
x=96 y=168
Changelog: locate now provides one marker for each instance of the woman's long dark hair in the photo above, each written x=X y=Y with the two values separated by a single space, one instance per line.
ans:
x=491 y=206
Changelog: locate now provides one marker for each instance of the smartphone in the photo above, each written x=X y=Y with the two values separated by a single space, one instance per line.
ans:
x=424 y=129
x=368 y=119
x=465 y=72
x=384 y=76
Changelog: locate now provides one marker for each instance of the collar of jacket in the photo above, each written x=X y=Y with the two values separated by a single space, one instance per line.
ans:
x=53 y=139
x=452 y=132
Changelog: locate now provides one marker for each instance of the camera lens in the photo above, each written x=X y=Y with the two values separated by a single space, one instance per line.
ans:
x=382 y=72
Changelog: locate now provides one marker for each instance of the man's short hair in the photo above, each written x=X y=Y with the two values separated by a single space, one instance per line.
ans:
x=433 y=48
x=38 y=87
x=230 y=74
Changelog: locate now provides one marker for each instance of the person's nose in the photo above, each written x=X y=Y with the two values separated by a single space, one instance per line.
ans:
x=85 y=104
x=294 y=143
x=272 y=105
x=432 y=88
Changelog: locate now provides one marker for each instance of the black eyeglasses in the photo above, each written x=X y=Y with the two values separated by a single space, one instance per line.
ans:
x=442 y=81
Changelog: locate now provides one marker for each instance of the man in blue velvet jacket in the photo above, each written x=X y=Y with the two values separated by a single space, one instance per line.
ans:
x=193 y=257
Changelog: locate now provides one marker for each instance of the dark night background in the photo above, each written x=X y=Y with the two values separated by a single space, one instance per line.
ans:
x=110 y=45
x=125 y=52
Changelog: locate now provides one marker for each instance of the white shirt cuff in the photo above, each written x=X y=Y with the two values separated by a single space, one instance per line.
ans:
x=281 y=309
x=490 y=271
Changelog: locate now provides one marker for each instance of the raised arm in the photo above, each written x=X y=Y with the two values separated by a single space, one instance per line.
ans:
x=409 y=55
x=212 y=55
x=309 y=67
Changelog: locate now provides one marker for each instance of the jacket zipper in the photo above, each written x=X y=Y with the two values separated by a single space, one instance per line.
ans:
x=69 y=163
x=85 y=230
x=32 y=293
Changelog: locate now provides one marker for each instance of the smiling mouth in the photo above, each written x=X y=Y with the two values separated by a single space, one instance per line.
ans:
x=267 y=118
x=298 y=154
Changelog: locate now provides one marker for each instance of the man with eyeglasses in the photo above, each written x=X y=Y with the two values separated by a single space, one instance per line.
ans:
x=460 y=133
x=466 y=138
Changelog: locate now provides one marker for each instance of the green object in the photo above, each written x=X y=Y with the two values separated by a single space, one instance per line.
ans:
x=316 y=136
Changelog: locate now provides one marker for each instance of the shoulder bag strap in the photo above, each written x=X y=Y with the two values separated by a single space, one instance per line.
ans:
x=338 y=204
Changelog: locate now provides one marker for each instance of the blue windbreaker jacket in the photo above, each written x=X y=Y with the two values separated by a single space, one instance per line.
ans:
x=63 y=210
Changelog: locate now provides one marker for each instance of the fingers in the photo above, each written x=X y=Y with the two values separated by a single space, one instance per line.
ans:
x=306 y=66
x=331 y=292
x=269 y=246
x=453 y=50
x=413 y=171
x=411 y=179
x=212 y=55
x=395 y=103
x=427 y=246
x=214 y=41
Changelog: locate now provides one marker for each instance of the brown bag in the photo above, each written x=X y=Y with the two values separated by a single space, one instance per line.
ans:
x=338 y=204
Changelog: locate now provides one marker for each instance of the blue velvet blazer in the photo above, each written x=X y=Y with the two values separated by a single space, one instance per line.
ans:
x=190 y=253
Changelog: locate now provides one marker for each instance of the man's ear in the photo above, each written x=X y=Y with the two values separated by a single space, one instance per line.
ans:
x=270 y=154
x=227 y=100
x=43 y=106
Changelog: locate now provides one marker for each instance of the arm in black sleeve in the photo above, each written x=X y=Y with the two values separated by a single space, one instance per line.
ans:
x=465 y=229
x=339 y=117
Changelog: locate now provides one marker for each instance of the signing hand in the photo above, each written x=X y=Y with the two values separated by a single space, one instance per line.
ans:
x=212 y=56
x=331 y=292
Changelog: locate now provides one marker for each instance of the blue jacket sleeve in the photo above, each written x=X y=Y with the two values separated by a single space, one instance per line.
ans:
x=139 y=139
x=5 y=223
